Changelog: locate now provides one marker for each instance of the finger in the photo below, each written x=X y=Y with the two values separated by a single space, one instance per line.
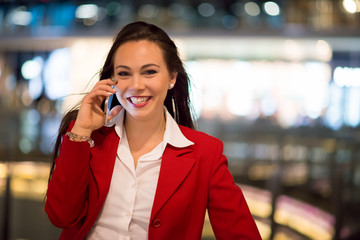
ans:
x=96 y=97
x=103 y=85
x=115 y=111
x=108 y=81
x=99 y=95
x=109 y=85
x=103 y=90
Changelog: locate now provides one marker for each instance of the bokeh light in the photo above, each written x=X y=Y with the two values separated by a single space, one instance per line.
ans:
x=57 y=73
x=272 y=8
x=349 y=5
x=252 y=8
x=32 y=68
x=206 y=9
x=20 y=16
x=149 y=11
x=88 y=13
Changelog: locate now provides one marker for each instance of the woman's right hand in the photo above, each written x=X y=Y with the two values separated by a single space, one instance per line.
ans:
x=91 y=116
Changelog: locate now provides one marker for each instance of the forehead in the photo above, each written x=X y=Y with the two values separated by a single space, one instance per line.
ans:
x=138 y=51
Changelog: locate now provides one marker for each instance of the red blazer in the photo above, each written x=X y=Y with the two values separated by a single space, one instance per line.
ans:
x=191 y=180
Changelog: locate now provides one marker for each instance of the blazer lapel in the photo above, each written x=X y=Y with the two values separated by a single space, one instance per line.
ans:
x=175 y=167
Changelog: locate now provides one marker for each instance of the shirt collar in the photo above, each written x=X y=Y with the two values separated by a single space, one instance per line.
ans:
x=172 y=135
x=119 y=126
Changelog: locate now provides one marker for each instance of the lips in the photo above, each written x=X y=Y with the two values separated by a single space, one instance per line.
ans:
x=139 y=101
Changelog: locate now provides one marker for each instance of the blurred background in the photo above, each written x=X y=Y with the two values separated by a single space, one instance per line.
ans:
x=277 y=81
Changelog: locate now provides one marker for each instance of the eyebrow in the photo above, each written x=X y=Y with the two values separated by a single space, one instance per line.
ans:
x=144 y=66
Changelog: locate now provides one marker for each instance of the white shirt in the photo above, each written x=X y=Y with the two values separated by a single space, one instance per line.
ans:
x=127 y=208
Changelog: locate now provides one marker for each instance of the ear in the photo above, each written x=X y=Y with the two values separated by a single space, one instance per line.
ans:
x=172 y=79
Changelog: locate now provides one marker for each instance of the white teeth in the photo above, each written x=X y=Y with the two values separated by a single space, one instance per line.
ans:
x=138 y=100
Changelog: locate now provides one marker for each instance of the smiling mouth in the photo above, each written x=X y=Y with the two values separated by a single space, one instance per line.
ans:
x=139 y=100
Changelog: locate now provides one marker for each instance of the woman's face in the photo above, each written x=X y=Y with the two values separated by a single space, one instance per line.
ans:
x=143 y=79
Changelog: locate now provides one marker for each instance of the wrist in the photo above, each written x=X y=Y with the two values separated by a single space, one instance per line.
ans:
x=77 y=138
x=81 y=131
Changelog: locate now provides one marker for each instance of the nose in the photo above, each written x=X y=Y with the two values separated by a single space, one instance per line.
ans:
x=137 y=82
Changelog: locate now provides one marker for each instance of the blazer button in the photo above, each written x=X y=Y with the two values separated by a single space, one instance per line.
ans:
x=156 y=223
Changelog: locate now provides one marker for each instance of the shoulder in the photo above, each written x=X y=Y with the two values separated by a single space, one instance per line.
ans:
x=207 y=149
x=199 y=138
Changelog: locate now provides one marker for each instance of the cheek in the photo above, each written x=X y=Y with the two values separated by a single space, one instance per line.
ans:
x=119 y=92
x=164 y=93
x=162 y=90
x=119 y=88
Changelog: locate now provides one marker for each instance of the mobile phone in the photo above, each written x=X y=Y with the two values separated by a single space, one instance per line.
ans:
x=109 y=103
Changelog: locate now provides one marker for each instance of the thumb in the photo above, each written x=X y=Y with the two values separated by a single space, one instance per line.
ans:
x=115 y=111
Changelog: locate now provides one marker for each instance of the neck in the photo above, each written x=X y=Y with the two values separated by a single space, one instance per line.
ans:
x=143 y=136
x=141 y=131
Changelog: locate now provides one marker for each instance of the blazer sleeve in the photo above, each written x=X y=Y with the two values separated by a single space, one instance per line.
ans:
x=228 y=211
x=67 y=194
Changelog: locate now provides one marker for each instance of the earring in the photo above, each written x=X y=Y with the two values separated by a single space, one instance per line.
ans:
x=174 y=108
x=171 y=85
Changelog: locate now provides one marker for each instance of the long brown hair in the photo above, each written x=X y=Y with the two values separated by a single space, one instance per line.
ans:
x=177 y=96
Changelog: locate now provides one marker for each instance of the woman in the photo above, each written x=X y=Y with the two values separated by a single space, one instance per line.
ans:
x=148 y=176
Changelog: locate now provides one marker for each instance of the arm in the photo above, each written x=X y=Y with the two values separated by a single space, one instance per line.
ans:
x=228 y=211
x=67 y=195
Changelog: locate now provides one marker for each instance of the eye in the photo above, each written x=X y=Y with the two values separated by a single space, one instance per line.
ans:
x=123 y=74
x=150 y=72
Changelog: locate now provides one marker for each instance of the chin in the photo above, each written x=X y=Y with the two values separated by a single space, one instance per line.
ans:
x=138 y=114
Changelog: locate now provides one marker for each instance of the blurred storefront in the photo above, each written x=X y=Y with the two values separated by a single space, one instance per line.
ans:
x=277 y=81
